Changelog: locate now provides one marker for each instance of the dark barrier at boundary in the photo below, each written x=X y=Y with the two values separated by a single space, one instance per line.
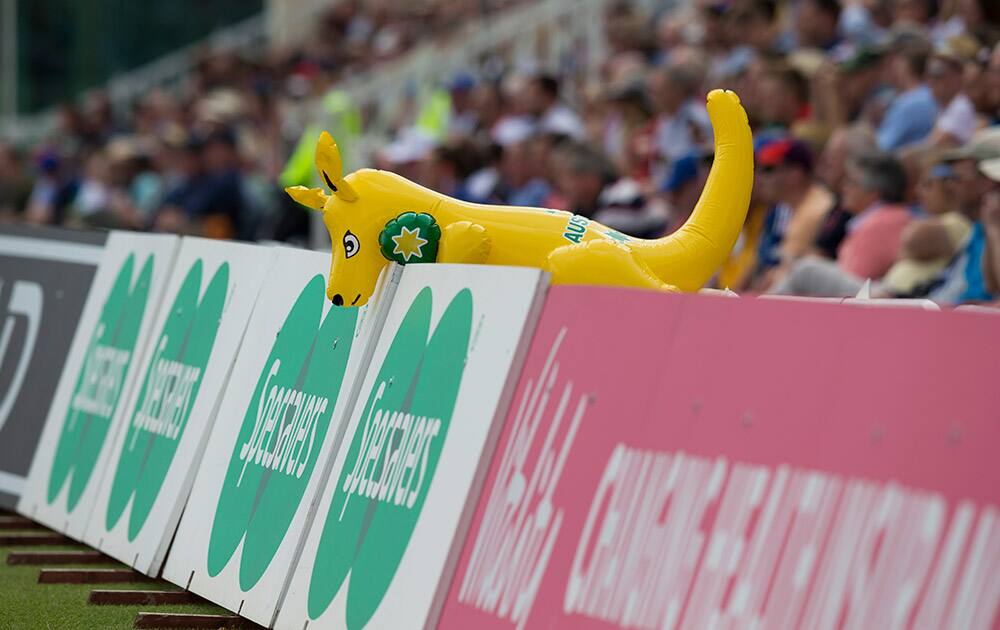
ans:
x=45 y=274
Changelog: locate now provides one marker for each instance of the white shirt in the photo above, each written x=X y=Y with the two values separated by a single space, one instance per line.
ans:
x=958 y=120
x=676 y=135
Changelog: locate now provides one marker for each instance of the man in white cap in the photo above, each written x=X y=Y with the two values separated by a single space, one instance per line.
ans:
x=963 y=281
x=990 y=216
x=405 y=153
x=944 y=75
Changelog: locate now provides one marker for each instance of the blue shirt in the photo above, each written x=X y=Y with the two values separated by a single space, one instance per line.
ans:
x=533 y=194
x=963 y=280
x=975 y=283
x=910 y=118
x=775 y=226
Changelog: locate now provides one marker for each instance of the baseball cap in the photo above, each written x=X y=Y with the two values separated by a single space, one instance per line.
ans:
x=787 y=151
x=991 y=168
x=461 y=82
x=683 y=170
x=411 y=145
x=984 y=145
x=47 y=160
x=906 y=37
x=513 y=130
x=958 y=49
x=859 y=58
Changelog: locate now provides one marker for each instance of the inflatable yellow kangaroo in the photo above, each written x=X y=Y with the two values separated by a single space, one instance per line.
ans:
x=375 y=217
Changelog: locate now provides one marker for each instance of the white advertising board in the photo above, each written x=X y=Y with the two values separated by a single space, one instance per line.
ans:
x=100 y=369
x=274 y=435
x=408 y=472
x=165 y=422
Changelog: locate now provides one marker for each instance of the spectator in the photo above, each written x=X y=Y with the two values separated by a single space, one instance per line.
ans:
x=712 y=22
x=786 y=168
x=845 y=145
x=54 y=187
x=407 y=152
x=449 y=167
x=137 y=173
x=15 y=187
x=754 y=25
x=978 y=18
x=873 y=191
x=94 y=194
x=522 y=173
x=783 y=98
x=551 y=115
x=463 y=119
x=991 y=227
x=855 y=89
x=624 y=207
x=628 y=130
x=929 y=244
x=963 y=280
x=683 y=187
x=487 y=101
x=911 y=114
x=776 y=216
x=210 y=200
x=920 y=12
x=682 y=125
x=582 y=178
x=816 y=23
x=991 y=78
x=945 y=76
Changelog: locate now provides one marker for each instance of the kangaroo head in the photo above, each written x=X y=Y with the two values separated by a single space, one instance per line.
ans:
x=358 y=214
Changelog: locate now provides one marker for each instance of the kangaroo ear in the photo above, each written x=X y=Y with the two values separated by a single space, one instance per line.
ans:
x=314 y=198
x=330 y=167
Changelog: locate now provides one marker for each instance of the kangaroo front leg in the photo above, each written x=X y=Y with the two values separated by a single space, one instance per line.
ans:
x=464 y=242
x=602 y=262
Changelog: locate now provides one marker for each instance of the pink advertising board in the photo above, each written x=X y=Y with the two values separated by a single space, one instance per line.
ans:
x=684 y=461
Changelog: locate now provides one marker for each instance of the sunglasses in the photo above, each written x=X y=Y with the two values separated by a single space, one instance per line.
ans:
x=936 y=72
x=716 y=10
x=927 y=182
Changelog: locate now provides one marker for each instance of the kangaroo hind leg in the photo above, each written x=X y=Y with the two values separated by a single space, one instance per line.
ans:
x=602 y=262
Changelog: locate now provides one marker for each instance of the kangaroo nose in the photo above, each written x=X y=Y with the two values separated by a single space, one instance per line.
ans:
x=338 y=300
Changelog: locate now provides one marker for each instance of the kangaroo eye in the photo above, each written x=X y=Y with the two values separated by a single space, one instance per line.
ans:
x=351 y=244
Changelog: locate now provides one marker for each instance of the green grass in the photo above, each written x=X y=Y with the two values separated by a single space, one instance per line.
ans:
x=27 y=605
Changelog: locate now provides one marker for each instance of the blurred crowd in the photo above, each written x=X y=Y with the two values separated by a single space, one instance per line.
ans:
x=206 y=158
x=876 y=131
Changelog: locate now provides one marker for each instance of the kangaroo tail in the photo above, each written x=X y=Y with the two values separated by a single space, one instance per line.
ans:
x=688 y=257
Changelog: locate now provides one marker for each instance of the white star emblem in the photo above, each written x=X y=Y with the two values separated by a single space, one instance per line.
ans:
x=409 y=243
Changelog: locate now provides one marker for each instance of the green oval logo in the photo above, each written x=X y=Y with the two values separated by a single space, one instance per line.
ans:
x=282 y=433
x=166 y=397
x=392 y=459
x=100 y=381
